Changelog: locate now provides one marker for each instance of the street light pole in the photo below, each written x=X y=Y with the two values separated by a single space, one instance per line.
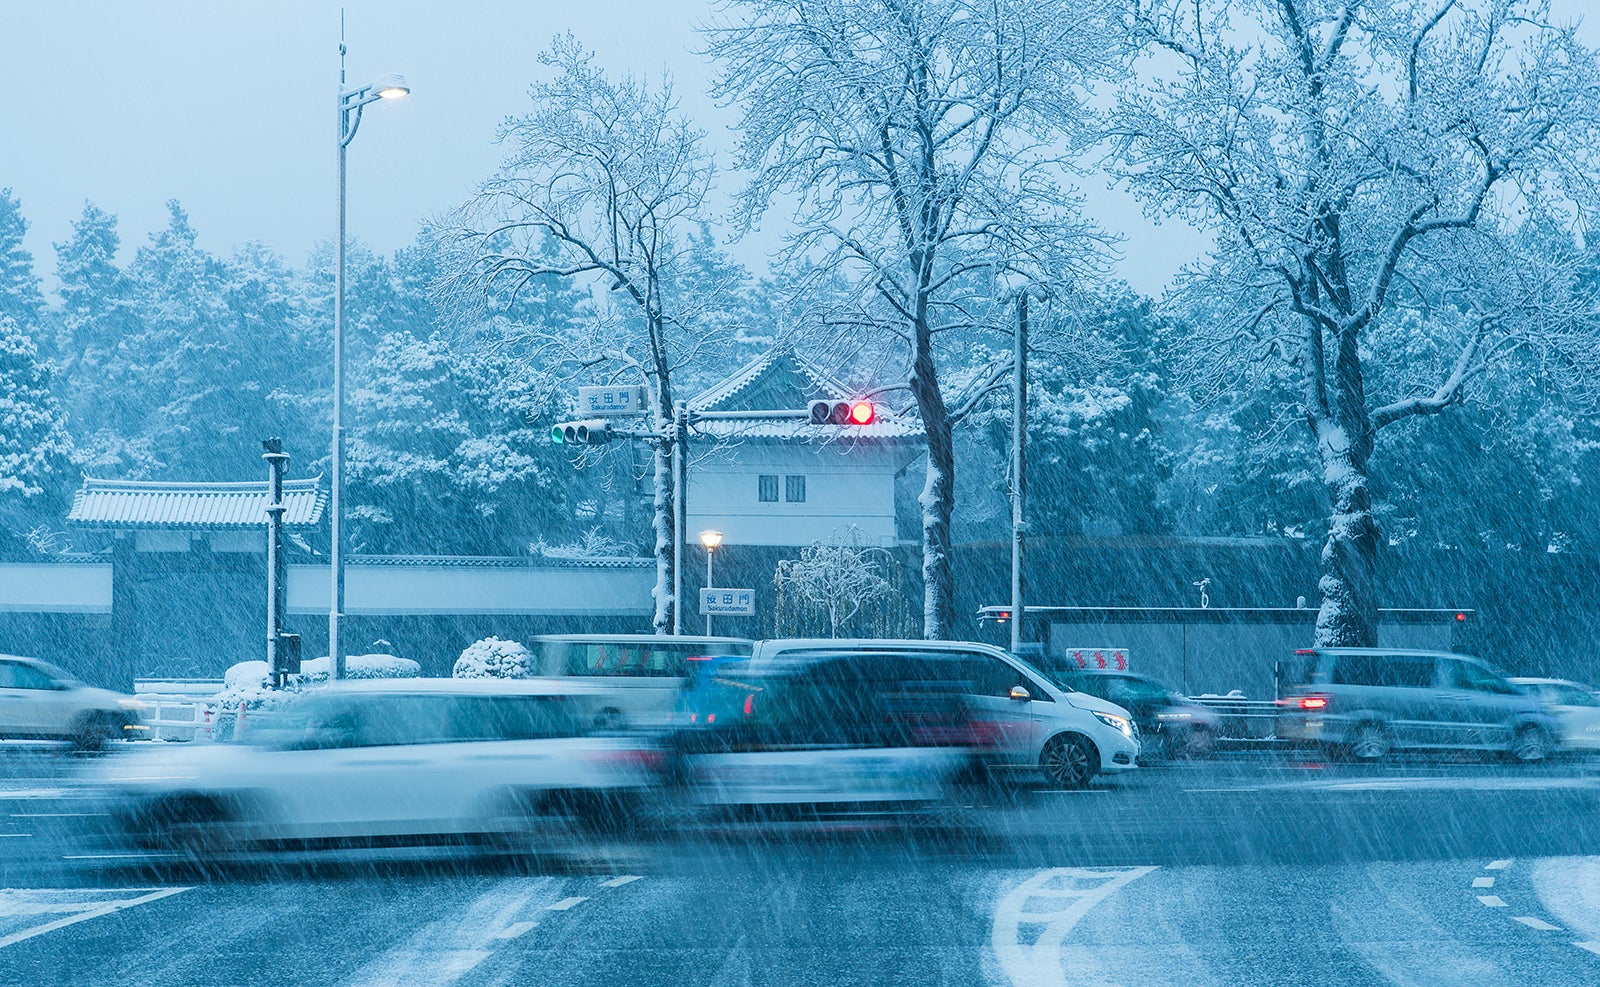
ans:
x=1019 y=464
x=350 y=103
x=710 y=539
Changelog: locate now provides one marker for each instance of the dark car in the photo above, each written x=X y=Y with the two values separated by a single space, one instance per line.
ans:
x=838 y=733
x=1170 y=724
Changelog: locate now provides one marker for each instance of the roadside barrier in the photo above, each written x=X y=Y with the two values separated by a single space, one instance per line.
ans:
x=1242 y=719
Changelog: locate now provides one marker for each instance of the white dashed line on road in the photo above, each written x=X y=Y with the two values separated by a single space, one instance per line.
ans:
x=1498 y=864
x=1593 y=947
x=1536 y=923
x=567 y=903
x=1483 y=882
x=1491 y=901
x=617 y=882
x=513 y=931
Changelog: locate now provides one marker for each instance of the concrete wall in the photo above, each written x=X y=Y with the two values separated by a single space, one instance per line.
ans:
x=844 y=486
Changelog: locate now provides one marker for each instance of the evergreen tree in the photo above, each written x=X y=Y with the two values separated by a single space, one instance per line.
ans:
x=35 y=473
x=20 y=298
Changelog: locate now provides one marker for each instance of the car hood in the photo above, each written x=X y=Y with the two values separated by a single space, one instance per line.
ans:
x=1082 y=700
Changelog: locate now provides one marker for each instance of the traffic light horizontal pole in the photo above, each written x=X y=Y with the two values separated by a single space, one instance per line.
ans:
x=701 y=416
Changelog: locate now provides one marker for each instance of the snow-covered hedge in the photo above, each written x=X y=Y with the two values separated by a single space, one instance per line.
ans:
x=248 y=682
x=493 y=658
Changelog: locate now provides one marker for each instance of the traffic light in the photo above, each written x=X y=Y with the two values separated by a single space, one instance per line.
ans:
x=859 y=412
x=589 y=432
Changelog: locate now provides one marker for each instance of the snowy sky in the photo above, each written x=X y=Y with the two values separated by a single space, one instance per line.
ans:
x=229 y=107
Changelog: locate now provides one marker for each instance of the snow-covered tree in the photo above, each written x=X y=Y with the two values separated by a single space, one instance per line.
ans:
x=34 y=448
x=605 y=183
x=20 y=297
x=920 y=144
x=1360 y=163
x=445 y=457
x=838 y=578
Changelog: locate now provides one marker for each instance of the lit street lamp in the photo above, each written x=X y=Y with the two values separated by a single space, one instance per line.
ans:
x=710 y=539
x=350 y=103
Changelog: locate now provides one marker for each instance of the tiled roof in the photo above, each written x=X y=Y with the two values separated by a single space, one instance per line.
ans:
x=782 y=380
x=153 y=504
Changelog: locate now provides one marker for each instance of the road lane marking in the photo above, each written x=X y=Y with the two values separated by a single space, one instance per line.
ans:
x=513 y=931
x=1491 y=901
x=95 y=910
x=1483 y=882
x=14 y=836
x=1498 y=864
x=1593 y=947
x=567 y=903
x=1536 y=923
x=617 y=882
x=1035 y=961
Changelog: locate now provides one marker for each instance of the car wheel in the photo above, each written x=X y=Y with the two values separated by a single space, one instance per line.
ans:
x=1068 y=761
x=93 y=732
x=192 y=824
x=1530 y=744
x=1369 y=742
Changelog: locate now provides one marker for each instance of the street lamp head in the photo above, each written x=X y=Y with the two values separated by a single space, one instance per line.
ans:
x=391 y=86
x=711 y=539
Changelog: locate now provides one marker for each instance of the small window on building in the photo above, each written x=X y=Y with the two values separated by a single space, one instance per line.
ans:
x=794 y=489
x=769 y=488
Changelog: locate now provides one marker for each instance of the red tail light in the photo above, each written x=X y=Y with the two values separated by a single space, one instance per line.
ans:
x=1313 y=702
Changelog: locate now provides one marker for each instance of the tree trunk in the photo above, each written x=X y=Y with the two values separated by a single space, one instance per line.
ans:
x=665 y=517
x=938 y=501
x=1348 y=617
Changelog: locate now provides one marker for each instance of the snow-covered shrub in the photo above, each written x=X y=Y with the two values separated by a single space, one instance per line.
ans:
x=492 y=658
x=315 y=671
x=248 y=684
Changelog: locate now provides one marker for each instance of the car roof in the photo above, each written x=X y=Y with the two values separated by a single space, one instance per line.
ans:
x=776 y=646
x=1397 y=652
x=465 y=687
x=639 y=639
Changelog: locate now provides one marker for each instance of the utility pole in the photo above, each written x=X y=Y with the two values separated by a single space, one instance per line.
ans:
x=1019 y=459
x=680 y=518
x=277 y=563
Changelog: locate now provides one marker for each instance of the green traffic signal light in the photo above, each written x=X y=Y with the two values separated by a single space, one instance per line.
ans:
x=556 y=435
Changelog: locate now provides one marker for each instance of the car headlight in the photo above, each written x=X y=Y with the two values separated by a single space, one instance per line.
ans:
x=1121 y=724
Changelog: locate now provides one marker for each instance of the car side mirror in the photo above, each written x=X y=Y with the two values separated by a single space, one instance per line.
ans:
x=1020 y=693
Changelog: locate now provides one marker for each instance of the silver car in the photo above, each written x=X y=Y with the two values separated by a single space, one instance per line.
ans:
x=39 y=701
x=1370 y=701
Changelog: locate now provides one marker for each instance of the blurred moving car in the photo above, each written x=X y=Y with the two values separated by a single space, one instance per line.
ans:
x=1170 y=724
x=1370 y=701
x=1035 y=721
x=832 y=733
x=393 y=761
x=643 y=671
x=1575 y=705
x=39 y=701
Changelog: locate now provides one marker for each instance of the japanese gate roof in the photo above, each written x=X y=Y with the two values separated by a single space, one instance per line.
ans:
x=160 y=504
x=783 y=380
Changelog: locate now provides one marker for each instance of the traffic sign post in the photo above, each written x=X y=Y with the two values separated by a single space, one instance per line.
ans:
x=728 y=602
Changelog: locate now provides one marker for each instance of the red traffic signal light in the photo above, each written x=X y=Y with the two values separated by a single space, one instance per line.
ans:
x=843 y=412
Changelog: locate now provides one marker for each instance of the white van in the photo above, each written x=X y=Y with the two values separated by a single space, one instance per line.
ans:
x=645 y=672
x=1040 y=722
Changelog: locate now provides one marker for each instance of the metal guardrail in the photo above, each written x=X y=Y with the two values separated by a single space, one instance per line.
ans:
x=1241 y=718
